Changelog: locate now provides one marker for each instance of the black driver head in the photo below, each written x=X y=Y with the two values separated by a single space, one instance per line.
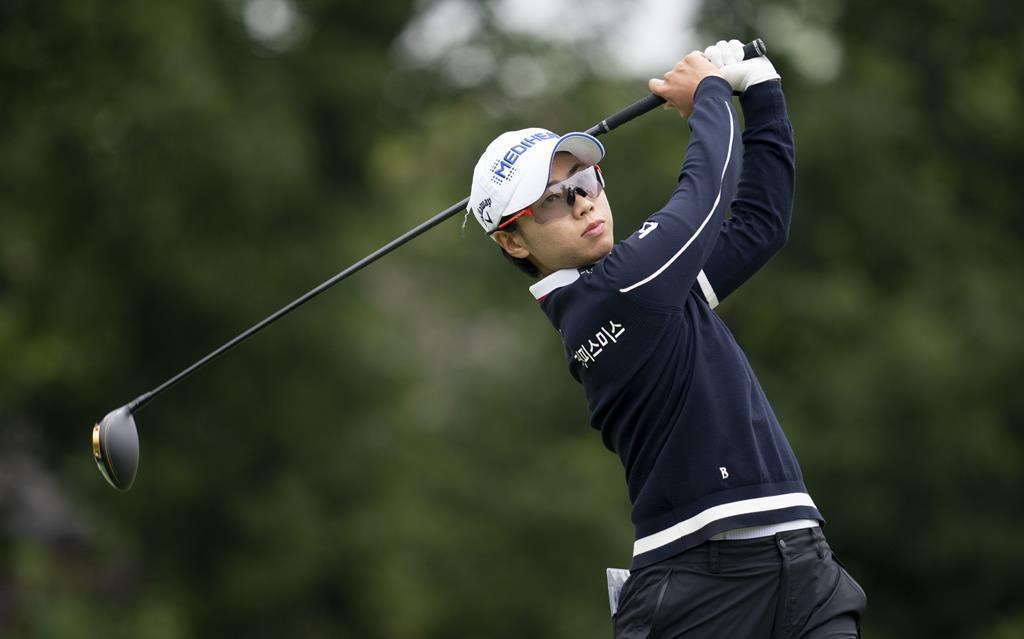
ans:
x=115 y=445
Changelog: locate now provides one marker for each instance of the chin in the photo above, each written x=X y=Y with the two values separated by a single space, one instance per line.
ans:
x=599 y=252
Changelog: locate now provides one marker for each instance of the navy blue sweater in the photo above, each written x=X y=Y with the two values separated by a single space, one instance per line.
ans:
x=667 y=385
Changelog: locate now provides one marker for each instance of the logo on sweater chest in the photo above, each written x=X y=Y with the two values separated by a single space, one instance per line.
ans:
x=608 y=335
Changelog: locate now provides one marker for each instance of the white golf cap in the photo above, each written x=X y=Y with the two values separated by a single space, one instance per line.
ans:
x=514 y=170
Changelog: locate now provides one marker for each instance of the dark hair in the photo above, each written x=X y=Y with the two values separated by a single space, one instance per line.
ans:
x=521 y=263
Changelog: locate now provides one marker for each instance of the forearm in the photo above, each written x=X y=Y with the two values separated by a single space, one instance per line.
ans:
x=763 y=205
x=673 y=244
x=764 y=196
x=713 y=141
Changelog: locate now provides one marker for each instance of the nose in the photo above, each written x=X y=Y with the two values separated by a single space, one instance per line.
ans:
x=580 y=202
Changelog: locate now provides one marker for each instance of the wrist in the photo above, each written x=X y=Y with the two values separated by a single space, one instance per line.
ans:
x=713 y=85
x=764 y=102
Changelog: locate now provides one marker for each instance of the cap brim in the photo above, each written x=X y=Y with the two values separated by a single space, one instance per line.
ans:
x=584 y=146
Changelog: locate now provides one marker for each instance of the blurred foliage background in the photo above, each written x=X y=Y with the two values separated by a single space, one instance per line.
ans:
x=406 y=456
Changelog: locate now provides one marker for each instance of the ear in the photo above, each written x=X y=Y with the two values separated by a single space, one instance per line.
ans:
x=512 y=243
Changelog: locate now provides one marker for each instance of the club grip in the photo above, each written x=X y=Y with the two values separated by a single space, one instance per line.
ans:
x=753 y=49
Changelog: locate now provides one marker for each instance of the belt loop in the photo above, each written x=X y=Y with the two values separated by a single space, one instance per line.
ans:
x=713 y=556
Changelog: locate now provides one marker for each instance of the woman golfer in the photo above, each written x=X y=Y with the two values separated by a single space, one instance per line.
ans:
x=728 y=541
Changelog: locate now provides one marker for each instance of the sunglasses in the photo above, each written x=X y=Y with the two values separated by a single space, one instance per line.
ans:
x=559 y=199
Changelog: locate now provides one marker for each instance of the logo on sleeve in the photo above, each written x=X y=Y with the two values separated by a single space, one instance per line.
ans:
x=646 y=229
x=587 y=353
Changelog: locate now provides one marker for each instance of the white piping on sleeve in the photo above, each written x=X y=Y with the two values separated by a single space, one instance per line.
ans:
x=718 y=198
x=707 y=289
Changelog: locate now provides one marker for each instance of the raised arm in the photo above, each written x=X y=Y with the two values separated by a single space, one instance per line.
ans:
x=659 y=263
x=763 y=206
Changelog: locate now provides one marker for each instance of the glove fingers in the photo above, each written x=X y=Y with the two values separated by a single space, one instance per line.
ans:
x=714 y=54
x=728 y=55
x=735 y=48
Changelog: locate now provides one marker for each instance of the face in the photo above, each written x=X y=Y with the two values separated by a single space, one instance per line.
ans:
x=580 y=235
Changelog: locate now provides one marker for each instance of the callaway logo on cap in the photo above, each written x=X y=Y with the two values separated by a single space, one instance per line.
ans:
x=514 y=170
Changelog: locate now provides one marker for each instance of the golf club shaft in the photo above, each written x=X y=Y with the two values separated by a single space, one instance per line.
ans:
x=753 y=49
x=617 y=119
x=143 y=399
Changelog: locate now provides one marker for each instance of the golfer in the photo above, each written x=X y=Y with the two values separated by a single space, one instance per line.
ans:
x=728 y=541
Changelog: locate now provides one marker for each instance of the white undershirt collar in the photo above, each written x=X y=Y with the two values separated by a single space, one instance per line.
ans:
x=556 y=280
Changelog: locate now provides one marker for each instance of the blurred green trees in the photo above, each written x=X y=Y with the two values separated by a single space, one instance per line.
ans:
x=406 y=457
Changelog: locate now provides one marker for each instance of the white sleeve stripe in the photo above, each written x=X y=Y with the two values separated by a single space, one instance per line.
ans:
x=707 y=289
x=718 y=198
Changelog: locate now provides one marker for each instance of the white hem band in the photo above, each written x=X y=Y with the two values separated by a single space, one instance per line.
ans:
x=715 y=513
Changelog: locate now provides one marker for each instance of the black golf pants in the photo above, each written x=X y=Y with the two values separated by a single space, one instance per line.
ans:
x=789 y=585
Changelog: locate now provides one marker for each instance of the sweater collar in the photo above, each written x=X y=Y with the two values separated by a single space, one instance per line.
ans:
x=556 y=280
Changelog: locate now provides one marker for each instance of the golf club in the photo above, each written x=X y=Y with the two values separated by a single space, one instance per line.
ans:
x=115 y=439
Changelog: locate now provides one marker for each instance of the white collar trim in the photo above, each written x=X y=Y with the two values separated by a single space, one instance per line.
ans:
x=558 y=279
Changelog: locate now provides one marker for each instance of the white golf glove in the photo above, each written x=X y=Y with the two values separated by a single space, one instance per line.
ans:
x=741 y=74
